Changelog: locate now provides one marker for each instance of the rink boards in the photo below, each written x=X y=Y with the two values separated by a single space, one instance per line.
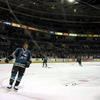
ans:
x=54 y=60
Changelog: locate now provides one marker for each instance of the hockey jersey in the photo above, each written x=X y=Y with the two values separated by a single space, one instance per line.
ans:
x=21 y=57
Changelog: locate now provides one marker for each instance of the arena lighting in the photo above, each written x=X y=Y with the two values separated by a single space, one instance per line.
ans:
x=71 y=1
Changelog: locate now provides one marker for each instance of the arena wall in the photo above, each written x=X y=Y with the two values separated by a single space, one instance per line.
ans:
x=53 y=60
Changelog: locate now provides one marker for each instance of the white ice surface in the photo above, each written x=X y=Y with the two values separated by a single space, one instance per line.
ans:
x=61 y=81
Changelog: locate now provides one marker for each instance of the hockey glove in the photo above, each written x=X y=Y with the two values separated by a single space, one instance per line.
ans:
x=8 y=59
x=28 y=64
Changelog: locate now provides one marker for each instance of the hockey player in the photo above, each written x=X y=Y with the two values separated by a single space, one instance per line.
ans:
x=79 y=61
x=22 y=61
x=44 y=62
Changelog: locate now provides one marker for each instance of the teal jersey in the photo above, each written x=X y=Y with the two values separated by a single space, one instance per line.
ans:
x=22 y=56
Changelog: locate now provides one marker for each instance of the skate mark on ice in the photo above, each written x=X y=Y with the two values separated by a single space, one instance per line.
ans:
x=72 y=84
x=49 y=67
x=79 y=82
x=1 y=82
x=84 y=80
x=2 y=87
x=30 y=97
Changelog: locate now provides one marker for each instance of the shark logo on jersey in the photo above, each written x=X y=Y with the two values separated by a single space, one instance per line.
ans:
x=23 y=56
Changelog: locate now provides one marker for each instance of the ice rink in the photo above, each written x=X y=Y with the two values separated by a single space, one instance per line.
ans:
x=61 y=81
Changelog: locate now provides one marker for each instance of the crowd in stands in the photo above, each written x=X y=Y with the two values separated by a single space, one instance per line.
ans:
x=49 y=45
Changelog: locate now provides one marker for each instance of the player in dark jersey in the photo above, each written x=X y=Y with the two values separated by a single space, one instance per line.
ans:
x=79 y=61
x=45 y=62
x=22 y=61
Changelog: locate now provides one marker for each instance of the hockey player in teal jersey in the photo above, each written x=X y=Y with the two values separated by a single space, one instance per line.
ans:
x=22 y=61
